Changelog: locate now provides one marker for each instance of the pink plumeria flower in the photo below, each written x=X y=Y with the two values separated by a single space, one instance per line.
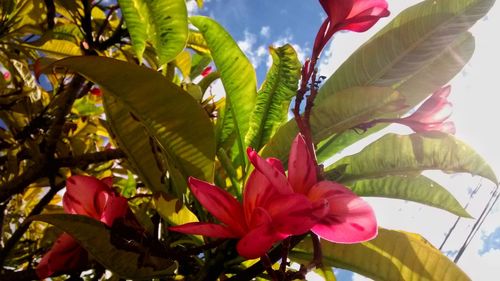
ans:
x=265 y=217
x=207 y=70
x=86 y=196
x=433 y=114
x=342 y=216
x=353 y=15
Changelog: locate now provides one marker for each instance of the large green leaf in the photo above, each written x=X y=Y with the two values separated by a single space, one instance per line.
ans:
x=421 y=83
x=274 y=96
x=96 y=238
x=407 y=44
x=338 y=113
x=132 y=137
x=399 y=155
x=413 y=188
x=391 y=256
x=170 y=115
x=164 y=23
x=237 y=74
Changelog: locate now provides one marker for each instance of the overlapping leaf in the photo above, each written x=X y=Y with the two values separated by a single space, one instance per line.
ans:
x=95 y=237
x=168 y=114
x=407 y=44
x=336 y=114
x=163 y=23
x=274 y=96
x=399 y=155
x=391 y=256
x=415 y=65
x=132 y=137
x=421 y=83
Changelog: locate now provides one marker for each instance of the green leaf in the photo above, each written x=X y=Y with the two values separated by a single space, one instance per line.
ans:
x=169 y=27
x=95 y=237
x=399 y=155
x=407 y=44
x=173 y=211
x=164 y=23
x=338 y=113
x=419 y=85
x=391 y=256
x=134 y=140
x=198 y=64
x=56 y=48
x=136 y=15
x=237 y=74
x=169 y=115
x=274 y=96
x=413 y=188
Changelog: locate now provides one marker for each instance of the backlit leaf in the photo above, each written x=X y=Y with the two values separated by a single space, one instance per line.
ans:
x=391 y=256
x=412 y=188
x=274 y=96
x=398 y=155
x=237 y=74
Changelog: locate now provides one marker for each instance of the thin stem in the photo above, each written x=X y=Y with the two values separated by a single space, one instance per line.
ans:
x=317 y=252
x=284 y=254
x=268 y=265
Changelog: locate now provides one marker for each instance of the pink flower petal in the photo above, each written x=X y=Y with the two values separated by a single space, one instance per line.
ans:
x=219 y=203
x=258 y=241
x=435 y=109
x=301 y=168
x=292 y=214
x=116 y=207
x=259 y=217
x=205 y=229
x=65 y=255
x=85 y=196
x=349 y=220
x=257 y=193
x=271 y=171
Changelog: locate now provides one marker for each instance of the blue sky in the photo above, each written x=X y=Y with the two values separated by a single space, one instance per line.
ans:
x=256 y=24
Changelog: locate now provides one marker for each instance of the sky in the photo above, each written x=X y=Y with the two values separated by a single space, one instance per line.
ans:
x=257 y=24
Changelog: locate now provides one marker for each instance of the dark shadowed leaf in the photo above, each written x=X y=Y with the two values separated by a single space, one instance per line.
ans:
x=168 y=114
x=95 y=237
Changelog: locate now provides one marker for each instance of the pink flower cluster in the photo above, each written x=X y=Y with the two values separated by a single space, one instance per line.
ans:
x=276 y=206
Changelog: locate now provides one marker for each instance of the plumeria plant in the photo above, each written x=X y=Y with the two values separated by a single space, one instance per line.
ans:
x=119 y=161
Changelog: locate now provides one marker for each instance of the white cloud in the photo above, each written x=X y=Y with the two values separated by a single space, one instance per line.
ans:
x=254 y=54
x=265 y=31
x=192 y=7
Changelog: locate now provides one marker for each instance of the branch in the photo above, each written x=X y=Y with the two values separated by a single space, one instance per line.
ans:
x=90 y=158
x=44 y=165
x=18 y=234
